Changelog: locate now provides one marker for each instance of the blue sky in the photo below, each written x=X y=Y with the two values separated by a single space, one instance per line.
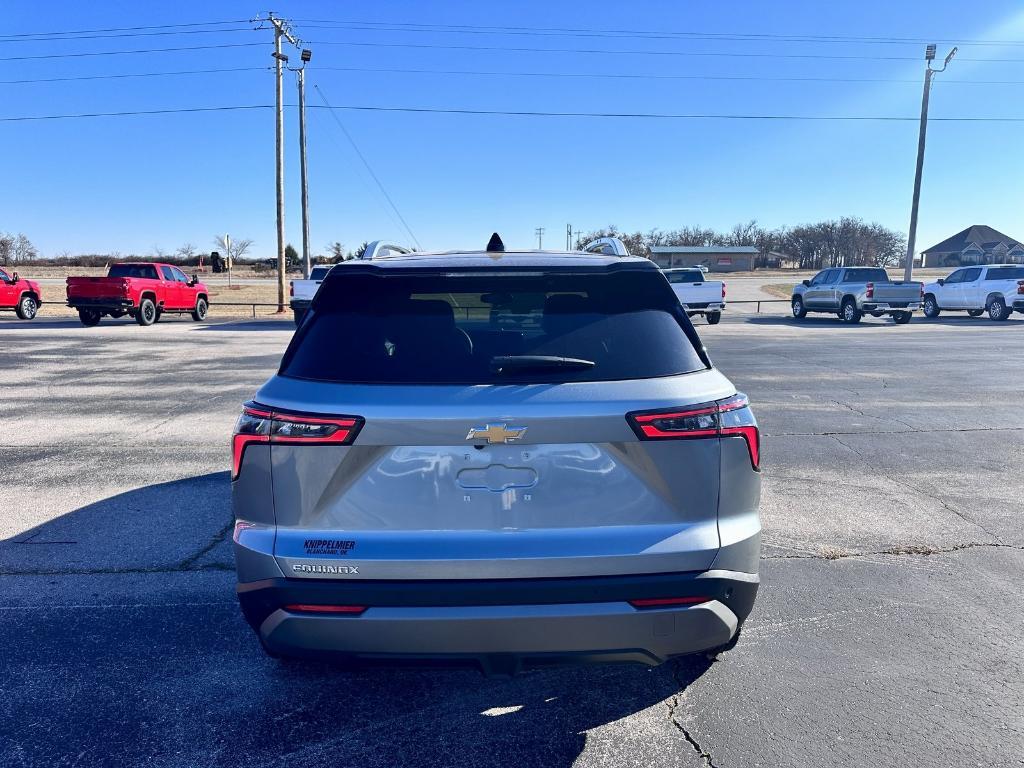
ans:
x=129 y=184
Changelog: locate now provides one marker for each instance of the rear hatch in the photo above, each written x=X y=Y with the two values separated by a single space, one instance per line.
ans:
x=494 y=424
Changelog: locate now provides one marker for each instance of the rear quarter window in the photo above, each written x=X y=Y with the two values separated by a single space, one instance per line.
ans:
x=1005 y=273
x=433 y=329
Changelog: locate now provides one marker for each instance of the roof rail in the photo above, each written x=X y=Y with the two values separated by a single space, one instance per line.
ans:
x=609 y=246
x=381 y=249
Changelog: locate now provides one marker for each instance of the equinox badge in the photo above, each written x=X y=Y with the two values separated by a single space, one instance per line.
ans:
x=496 y=433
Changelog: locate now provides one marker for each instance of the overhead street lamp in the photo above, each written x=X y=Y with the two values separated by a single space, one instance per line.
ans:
x=300 y=75
x=929 y=55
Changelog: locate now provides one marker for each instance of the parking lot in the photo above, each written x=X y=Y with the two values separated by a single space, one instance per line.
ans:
x=888 y=628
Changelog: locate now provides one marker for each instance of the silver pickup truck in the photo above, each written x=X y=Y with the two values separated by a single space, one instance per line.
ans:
x=852 y=292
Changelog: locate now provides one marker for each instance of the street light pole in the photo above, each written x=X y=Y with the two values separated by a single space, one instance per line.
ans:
x=301 y=77
x=908 y=268
x=280 y=31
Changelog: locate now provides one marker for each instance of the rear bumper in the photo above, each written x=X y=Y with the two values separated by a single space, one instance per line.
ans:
x=502 y=623
x=885 y=306
x=701 y=307
x=300 y=304
x=1018 y=305
x=82 y=302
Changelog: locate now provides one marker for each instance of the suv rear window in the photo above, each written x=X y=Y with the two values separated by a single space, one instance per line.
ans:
x=147 y=271
x=493 y=328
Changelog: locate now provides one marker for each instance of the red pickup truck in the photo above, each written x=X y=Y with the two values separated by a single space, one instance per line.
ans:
x=143 y=291
x=23 y=296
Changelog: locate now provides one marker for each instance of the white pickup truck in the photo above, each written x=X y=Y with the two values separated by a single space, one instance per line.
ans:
x=997 y=289
x=303 y=291
x=697 y=295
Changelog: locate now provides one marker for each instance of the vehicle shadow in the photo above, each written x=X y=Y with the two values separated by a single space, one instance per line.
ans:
x=167 y=672
x=824 y=321
x=40 y=323
x=267 y=324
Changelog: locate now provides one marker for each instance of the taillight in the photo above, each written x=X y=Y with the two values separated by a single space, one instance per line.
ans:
x=261 y=425
x=922 y=291
x=723 y=290
x=291 y=288
x=723 y=418
x=871 y=291
x=1020 y=286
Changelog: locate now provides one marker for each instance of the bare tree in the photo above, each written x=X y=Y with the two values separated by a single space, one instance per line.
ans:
x=23 y=250
x=6 y=248
x=237 y=249
x=336 y=251
x=187 y=251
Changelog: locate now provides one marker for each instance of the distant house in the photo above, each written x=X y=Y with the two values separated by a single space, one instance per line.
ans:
x=716 y=258
x=975 y=245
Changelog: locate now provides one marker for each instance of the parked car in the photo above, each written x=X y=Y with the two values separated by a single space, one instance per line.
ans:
x=144 y=291
x=452 y=483
x=302 y=291
x=997 y=289
x=852 y=292
x=22 y=296
x=698 y=295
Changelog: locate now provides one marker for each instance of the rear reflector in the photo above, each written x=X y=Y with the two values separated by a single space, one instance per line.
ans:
x=261 y=425
x=722 y=418
x=349 y=609
x=663 y=602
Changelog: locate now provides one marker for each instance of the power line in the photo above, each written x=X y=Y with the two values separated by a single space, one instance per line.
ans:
x=133 y=74
x=126 y=29
x=641 y=34
x=646 y=76
x=497 y=73
x=73 y=38
x=365 y=182
x=122 y=53
x=367 y=164
x=128 y=113
x=531 y=113
x=605 y=52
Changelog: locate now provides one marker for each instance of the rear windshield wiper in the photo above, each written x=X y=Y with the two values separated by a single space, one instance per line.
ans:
x=512 y=363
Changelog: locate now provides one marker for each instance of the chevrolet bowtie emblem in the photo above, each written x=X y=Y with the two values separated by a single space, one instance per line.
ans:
x=496 y=433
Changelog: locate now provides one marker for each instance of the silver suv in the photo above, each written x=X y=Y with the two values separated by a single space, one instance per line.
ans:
x=498 y=458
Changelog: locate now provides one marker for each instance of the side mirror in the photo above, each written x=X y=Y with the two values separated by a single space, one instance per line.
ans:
x=14 y=277
x=807 y=283
x=194 y=280
x=941 y=281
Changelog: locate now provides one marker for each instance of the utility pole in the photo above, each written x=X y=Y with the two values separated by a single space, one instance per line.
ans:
x=568 y=237
x=539 y=231
x=300 y=74
x=929 y=56
x=280 y=31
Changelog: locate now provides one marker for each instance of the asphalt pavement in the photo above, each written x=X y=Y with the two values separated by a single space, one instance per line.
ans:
x=888 y=628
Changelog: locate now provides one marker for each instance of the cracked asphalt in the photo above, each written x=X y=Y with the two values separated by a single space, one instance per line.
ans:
x=888 y=629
